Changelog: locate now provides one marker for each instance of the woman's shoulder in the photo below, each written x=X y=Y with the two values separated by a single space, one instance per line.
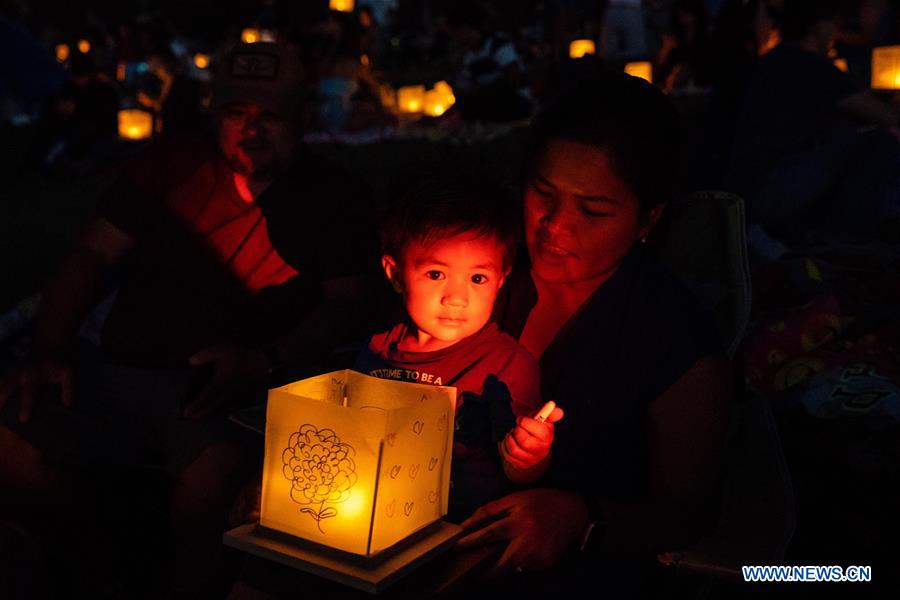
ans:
x=671 y=327
x=657 y=292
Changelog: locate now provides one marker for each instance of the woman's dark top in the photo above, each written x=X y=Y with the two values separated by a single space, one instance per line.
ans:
x=631 y=340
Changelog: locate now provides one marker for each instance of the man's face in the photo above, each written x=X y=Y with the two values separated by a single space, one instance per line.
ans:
x=449 y=286
x=255 y=141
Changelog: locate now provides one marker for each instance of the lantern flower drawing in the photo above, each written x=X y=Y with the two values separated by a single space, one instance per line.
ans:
x=321 y=470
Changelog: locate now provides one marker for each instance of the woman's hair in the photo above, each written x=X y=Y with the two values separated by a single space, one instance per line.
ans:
x=438 y=204
x=630 y=120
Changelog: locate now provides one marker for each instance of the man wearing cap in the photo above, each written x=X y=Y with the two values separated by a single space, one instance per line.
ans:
x=232 y=254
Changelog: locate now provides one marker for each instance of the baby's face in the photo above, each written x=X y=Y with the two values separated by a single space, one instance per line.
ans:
x=449 y=286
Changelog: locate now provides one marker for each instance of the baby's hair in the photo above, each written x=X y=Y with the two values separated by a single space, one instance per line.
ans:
x=434 y=205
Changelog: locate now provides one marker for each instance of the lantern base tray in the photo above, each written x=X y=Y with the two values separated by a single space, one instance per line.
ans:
x=372 y=579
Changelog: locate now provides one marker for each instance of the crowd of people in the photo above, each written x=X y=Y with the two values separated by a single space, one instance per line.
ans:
x=227 y=258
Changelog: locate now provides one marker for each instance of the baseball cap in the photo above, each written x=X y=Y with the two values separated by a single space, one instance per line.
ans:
x=261 y=73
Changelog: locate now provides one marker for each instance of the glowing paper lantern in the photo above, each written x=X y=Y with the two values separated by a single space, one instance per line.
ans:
x=341 y=5
x=84 y=46
x=642 y=69
x=579 y=48
x=201 y=61
x=356 y=463
x=886 y=68
x=411 y=98
x=841 y=64
x=443 y=88
x=121 y=71
x=135 y=124
x=250 y=35
x=435 y=104
x=62 y=52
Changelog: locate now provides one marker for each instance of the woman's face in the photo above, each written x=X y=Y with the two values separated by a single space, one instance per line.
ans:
x=581 y=219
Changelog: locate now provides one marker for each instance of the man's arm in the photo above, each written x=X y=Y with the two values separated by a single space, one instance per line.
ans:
x=67 y=298
x=73 y=289
x=324 y=327
x=344 y=307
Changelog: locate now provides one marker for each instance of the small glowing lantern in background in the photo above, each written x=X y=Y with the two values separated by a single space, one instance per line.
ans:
x=579 y=48
x=886 y=68
x=201 y=61
x=364 y=60
x=841 y=64
x=135 y=124
x=411 y=98
x=62 y=52
x=435 y=104
x=250 y=35
x=121 y=71
x=341 y=5
x=443 y=88
x=642 y=69
x=355 y=462
x=84 y=46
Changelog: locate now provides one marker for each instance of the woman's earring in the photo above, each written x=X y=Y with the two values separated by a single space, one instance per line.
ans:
x=644 y=240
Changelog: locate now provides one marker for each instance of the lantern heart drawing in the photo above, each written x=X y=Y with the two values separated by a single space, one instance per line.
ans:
x=391 y=438
x=418 y=426
x=395 y=470
x=432 y=463
x=390 y=508
x=432 y=496
x=407 y=508
x=442 y=422
x=413 y=471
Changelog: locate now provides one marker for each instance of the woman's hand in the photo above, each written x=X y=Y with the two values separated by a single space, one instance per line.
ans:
x=540 y=525
x=526 y=449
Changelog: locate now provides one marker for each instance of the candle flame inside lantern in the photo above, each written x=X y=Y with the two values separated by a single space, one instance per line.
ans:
x=411 y=98
x=135 y=124
x=434 y=105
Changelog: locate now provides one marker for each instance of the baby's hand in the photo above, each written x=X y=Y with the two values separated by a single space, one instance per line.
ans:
x=526 y=449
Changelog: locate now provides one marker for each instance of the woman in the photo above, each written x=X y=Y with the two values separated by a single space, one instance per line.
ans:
x=624 y=350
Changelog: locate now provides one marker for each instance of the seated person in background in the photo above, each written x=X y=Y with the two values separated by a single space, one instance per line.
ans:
x=448 y=245
x=813 y=149
x=491 y=85
x=232 y=253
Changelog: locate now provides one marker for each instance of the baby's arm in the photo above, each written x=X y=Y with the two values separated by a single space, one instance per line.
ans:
x=525 y=451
